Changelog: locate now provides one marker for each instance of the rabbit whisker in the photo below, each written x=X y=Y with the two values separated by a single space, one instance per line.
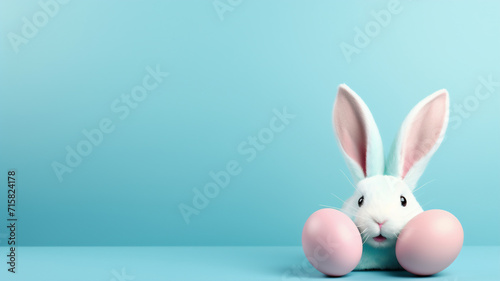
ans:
x=423 y=185
x=337 y=197
x=339 y=209
x=427 y=203
x=354 y=211
x=329 y=206
x=366 y=239
x=349 y=180
x=345 y=211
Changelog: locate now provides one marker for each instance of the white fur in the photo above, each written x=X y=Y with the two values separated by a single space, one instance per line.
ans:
x=382 y=193
x=382 y=203
x=375 y=149
x=395 y=163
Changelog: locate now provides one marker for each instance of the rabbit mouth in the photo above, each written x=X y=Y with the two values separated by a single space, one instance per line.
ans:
x=379 y=238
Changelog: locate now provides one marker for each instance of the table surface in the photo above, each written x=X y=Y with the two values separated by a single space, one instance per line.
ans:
x=213 y=263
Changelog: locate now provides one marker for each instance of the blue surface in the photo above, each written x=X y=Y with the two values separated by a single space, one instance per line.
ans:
x=226 y=79
x=215 y=263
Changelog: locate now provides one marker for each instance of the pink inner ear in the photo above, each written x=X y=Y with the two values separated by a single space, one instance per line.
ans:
x=351 y=128
x=424 y=132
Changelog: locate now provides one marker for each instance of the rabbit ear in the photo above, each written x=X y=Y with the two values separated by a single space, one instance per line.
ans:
x=358 y=135
x=419 y=137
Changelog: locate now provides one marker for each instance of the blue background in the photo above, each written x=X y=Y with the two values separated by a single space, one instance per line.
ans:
x=226 y=77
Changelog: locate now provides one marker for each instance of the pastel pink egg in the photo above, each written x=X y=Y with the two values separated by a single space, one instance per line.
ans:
x=429 y=242
x=332 y=242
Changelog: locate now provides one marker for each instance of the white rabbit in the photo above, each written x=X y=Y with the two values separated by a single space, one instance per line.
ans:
x=383 y=201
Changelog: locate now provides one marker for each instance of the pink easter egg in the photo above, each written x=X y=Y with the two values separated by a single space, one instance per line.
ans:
x=332 y=242
x=429 y=242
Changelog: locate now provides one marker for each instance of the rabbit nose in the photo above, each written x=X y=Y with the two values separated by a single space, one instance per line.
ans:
x=380 y=223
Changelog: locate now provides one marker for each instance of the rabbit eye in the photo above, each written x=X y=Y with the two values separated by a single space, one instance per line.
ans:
x=403 y=201
x=360 y=201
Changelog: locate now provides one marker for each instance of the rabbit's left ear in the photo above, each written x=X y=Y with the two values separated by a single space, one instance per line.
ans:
x=358 y=135
x=419 y=137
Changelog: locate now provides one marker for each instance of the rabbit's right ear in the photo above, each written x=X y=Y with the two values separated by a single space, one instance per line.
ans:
x=358 y=135
x=419 y=137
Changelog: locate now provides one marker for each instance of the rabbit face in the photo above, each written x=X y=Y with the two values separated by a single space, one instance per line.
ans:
x=380 y=208
x=383 y=202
